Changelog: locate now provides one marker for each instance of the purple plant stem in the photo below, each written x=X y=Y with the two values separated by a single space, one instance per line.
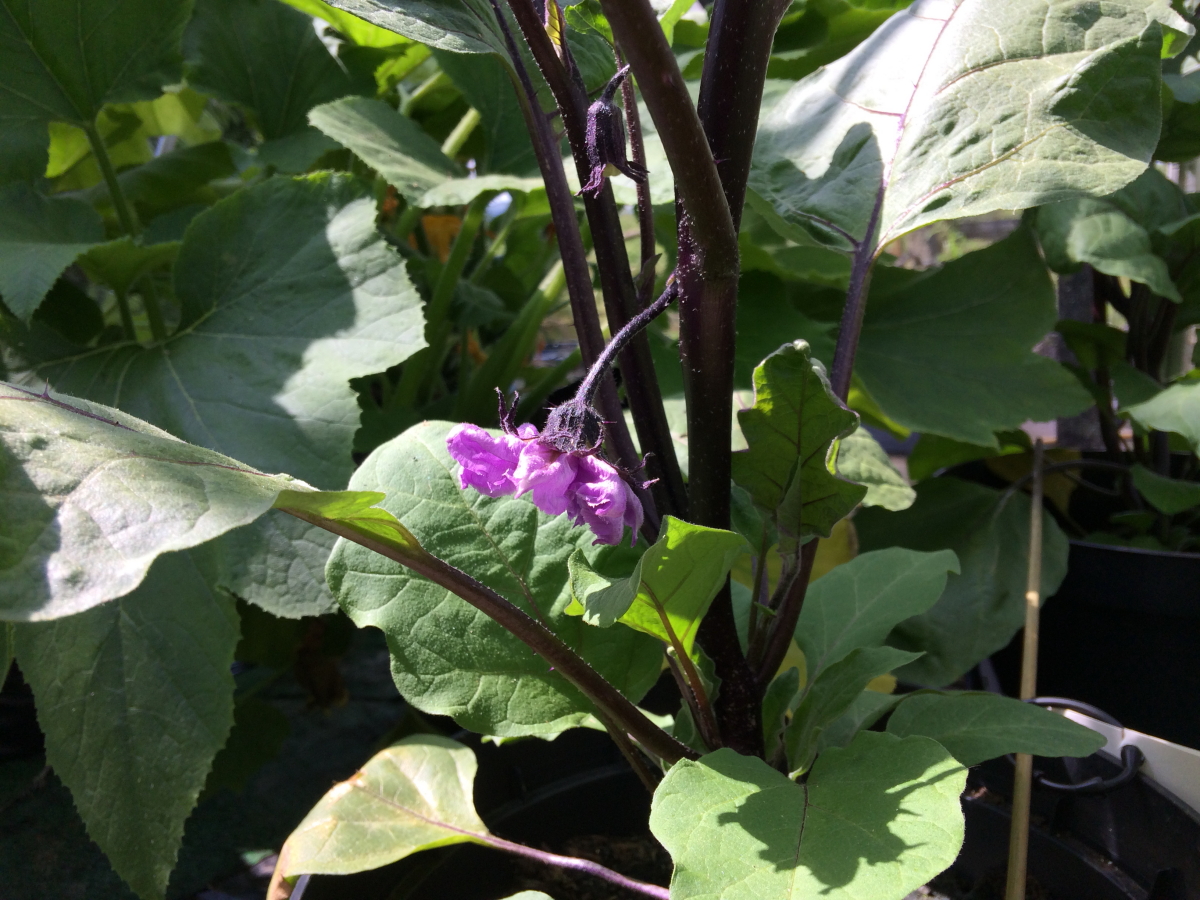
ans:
x=578 y=865
x=783 y=625
x=536 y=636
x=579 y=276
x=856 y=306
x=621 y=340
x=637 y=149
x=620 y=297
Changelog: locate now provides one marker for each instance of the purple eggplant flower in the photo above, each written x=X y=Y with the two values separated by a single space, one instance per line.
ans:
x=588 y=489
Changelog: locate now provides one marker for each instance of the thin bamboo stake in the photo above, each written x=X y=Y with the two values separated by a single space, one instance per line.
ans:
x=1018 y=839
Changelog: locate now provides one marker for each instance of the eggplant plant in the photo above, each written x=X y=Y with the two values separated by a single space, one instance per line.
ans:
x=537 y=577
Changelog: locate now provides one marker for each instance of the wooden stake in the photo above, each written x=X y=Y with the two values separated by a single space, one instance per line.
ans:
x=1018 y=839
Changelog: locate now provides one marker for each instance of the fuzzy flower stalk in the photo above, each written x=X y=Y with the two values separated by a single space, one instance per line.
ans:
x=560 y=467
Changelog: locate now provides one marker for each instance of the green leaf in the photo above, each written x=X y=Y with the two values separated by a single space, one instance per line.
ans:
x=287 y=291
x=1095 y=231
x=976 y=726
x=934 y=452
x=933 y=118
x=392 y=144
x=485 y=83
x=875 y=820
x=259 y=730
x=777 y=702
x=461 y=26
x=822 y=31
x=265 y=57
x=950 y=351
x=983 y=607
x=830 y=694
x=8 y=649
x=120 y=264
x=175 y=179
x=65 y=60
x=278 y=563
x=671 y=587
x=39 y=237
x=1165 y=494
x=860 y=459
x=790 y=432
x=858 y=603
x=136 y=698
x=461 y=191
x=357 y=510
x=415 y=795
x=864 y=711
x=1177 y=409
x=95 y=495
x=23 y=149
x=447 y=657
x=361 y=32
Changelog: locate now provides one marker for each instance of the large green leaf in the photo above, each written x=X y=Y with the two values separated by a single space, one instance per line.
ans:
x=830 y=694
x=415 y=795
x=1167 y=495
x=449 y=658
x=462 y=26
x=39 y=237
x=790 y=431
x=64 y=60
x=1176 y=409
x=874 y=820
x=976 y=726
x=136 y=698
x=92 y=496
x=983 y=607
x=671 y=586
x=485 y=83
x=862 y=460
x=936 y=117
x=1095 y=231
x=361 y=32
x=287 y=292
x=950 y=352
x=858 y=603
x=392 y=144
x=266 y=57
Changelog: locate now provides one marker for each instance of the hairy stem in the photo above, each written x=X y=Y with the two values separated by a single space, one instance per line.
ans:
x=587 y=390
x=535 y=635
x=621 y=302
x=456 y=138
x=855 y=309
x=579 y=865
x=645 y=209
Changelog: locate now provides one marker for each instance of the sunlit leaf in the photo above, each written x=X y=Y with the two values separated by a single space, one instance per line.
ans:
x=1176 y=409
x=976 y=726
x=876 y=819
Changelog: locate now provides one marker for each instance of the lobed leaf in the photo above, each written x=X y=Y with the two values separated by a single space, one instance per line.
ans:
x=790 y=431
x=862 y=460
x=975 y=726
x=876 y=819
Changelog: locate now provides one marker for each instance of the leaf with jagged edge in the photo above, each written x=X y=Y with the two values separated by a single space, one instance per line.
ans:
x=790 y=431
x=135 y=697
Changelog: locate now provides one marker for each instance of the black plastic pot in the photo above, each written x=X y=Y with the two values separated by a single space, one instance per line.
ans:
x=1122 y=633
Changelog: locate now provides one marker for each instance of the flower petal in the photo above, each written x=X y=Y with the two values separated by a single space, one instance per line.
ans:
x=487 y=461
x=548 y=474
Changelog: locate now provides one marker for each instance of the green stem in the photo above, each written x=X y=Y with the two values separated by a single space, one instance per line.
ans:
x=455 y=140
x=493 y=247
x=432 y=83
x=158 y=328
x=421 y=370
x=126 y=316
x=120 y=204
x=535 y=395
